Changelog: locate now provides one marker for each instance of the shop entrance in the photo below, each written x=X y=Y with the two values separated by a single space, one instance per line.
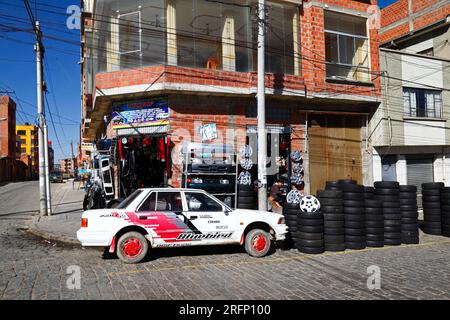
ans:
x=143 y=161
x=334 y=149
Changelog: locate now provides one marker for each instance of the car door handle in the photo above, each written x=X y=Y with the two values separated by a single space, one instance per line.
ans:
x=193 y=217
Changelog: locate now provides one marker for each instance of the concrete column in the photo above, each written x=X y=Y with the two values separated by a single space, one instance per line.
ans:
x=376 y=162
x=438 y=168
x=402 y=175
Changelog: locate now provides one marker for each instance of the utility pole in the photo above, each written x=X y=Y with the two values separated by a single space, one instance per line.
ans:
x=43 y=196
x=261 y=101
x=47 y=169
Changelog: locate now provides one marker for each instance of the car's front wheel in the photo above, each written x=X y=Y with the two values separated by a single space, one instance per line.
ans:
x=132 y=247
x=257 y=243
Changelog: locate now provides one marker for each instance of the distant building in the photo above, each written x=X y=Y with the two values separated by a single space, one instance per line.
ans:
x=7 y=127
x=27 y=135
x=66 y=165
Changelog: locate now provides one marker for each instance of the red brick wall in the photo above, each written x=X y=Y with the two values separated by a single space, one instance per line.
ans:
x=399 y=10
x=7 y=127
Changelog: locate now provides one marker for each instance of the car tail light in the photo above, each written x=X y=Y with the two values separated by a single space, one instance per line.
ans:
x=84 y=222
x=281 y=220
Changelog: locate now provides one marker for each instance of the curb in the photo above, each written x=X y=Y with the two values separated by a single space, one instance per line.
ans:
x=34 y=230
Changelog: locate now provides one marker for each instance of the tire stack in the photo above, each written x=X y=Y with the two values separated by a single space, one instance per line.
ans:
x=387 y=192
x=331 y=203
x=291 y=212
x=247 y=197
x=374 y=223
x=445 y=211
x=431 y=202
x=369 y=193
x=410 y=216
x=310 y=233
x=354 y=214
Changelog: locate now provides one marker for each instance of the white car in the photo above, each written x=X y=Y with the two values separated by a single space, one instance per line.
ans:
x=169 y=217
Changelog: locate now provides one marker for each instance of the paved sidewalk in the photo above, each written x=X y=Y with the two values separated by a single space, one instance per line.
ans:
x=66 y=214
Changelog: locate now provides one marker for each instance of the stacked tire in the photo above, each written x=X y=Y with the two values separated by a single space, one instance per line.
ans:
x=247 y=197
x=431 y=202
x=374 y=223
x=310 y=233
x=445 y=211
x=369 y=193
x=387 y=192
x=409 y=212
x=291 y=213
x=331 y=203
x=354 y=214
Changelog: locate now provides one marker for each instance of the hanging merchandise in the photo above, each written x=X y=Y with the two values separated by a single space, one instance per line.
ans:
x=294 y=197
x=296 y=156
x=246 y=164
x=309 y=204
x=246 y=151
x=245 y=178
x=297 y=179
x=297 y=168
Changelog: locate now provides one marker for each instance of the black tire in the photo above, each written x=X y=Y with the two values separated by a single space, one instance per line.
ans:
x=334 y=231
x=373 y=211
x=444 y=208
x=242 y=187
x=243 y=193
x=378 y=230
x=375 y=224
x=310 y=222
x=353 y=196
x=408 y=189
x=246 y=200
x=335 y=247
x=332 y=209
x=372 y=203
x=132 y=247
x=246 y=206
x=330 y=202
x=432 y=218
x=445 y=202
x=431 y=205
x=392 y=242
x=433 y=224
x=291 y=206
x=387 y=198
x=410 y=240
x=392 y=216
x=432 y=185
x=414 y=233
x=309 y=236
x=391 y=204
x=354 y=211
x=346 y=181
x=355 y=232
x=354 y=204
x=392 y=229
x=409 y=221
x=332 y=239
x=387 y=192
x=309 y=250
x=369 y=190
x=375 y=244
x=409 y=214
x=404 y=195
x=375 y=217
x=409 y=208
x=375 y=237
x=410 y=227
x=310 y=243
x=355 y=224
x=332 y=194
x=352 y=188
x=431 y=199
x=334 y=224
x=350 y=238
x=433 y=231
x=310 y=229
x=355 y=217
x=432 y=211
x=355 y=245
x=392 y=223
x=432 y=192
x=408 y=202
x=252 y=245
x=333 y=217
x=291 y=212
x=392 y=235
x=386 y=185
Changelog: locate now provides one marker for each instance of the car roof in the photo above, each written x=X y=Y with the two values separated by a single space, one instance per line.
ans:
x=172 y=189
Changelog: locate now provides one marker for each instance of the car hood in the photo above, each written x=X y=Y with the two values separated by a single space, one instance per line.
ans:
x=259 y=215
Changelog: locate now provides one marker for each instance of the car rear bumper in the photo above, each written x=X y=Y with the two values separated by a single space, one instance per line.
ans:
x=93 y=238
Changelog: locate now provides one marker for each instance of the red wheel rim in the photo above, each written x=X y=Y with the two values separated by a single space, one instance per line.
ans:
x=132 y=247
x=259 y=242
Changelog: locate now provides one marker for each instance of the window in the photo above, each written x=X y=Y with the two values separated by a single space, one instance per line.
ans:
x=346 y=47
x=21 y=132
x=169 y=201
x=422 y=103
x=427 y=52
x=125 y=203
x=201 y=202
x=149 y=203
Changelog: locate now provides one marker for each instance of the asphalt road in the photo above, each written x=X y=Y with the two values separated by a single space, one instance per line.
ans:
x=31 y=268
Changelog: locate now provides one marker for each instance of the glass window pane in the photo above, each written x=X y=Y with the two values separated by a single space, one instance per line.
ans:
x=345 y=23
x=346 y=49
x=169 y=201
x=201 y=202
x=185 y=32
x=149 y=203
x=331 y=48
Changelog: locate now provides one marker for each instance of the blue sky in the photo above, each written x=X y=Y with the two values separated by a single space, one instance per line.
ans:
x=384 y=3
x=62 y=73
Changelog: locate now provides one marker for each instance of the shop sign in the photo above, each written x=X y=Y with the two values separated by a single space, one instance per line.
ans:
x=208 y=132
x=142 y=113
x=87 y=146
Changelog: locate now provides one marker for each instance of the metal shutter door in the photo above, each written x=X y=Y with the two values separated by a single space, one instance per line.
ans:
x=419 y=171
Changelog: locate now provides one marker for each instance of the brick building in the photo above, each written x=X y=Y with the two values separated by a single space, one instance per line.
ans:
x=410 y=132
x=7 y=127
x=27 y=135
x=197 y=61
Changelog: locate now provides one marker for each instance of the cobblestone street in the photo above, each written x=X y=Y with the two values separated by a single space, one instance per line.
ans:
x=32 y=268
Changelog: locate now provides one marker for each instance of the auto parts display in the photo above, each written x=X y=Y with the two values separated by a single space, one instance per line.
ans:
x=246 y=163
x=245 y=178
x=309 y=204
x=246 y=151
x=293 y=197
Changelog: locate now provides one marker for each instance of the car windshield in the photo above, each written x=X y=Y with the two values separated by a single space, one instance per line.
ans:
x=125 y=203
